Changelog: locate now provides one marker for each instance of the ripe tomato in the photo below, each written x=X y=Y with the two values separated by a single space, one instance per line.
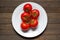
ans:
x=25 y=16
x=33 y=23
x=27 y=7
x=25 y=26
x=35 y=13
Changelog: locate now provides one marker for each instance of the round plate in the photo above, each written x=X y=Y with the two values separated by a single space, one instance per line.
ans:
x=42 y=20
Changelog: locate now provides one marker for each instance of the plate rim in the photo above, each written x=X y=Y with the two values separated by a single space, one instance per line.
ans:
x=45 y=24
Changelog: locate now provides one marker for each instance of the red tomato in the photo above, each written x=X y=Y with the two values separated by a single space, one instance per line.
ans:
x=25 y=16
x=25 y=26
x=33 y=23
x=35 y=13
x=27 y=7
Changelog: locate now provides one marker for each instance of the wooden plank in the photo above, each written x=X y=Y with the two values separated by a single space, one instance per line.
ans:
x=52 y=10
x=27 y=0
x=49 y=26
x=44 y=4
x=53 y=0
x=6 y=29
x=52 y=29
x=6 y=26
x=53 y=6
x=10 y=37
x=5 y=15
x=58 y=37
x=5 y=20
x=52 y=17
x=47 y=37
x=22 y=0
x=14 y=37
x=48 y=9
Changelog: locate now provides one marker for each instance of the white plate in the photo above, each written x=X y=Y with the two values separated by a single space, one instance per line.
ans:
x=42 y=20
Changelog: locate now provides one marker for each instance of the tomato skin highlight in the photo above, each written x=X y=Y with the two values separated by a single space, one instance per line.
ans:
x=25 y=16
x=35 y=13
x=29 y=17
x=25 y=26
x=27 y=7
x=34 y=23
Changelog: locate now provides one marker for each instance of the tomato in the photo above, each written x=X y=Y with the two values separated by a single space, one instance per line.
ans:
x=35 y=13
x=25 y=16
x=25 y=26
x=33 y=23
x=27 y=7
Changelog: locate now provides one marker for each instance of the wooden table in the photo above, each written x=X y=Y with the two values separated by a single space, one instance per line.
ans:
x=52 y=8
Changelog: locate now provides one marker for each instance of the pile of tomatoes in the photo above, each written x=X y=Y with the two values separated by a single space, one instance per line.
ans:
x=29 y=17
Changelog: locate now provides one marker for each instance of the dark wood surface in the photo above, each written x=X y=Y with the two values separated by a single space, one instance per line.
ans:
x=52 y=8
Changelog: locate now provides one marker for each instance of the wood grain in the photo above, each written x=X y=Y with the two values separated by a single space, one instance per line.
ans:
x=52 y=17
x=52 y=32
x=49 y=6
x=52 y=8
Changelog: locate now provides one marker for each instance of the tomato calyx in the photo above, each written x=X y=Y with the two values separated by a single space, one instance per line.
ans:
x=34 y=14
x=27 y=7
x=34 y=23
x=27 y=10
x=25 y=16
